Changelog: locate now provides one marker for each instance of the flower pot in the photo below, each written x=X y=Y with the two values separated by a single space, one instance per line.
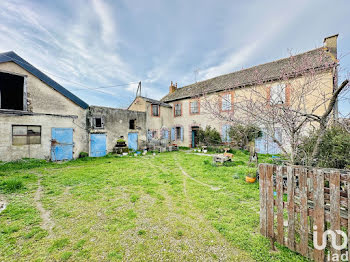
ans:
x=250 y=179
x=205 y=151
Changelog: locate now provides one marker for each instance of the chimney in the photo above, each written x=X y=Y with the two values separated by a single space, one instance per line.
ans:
x=330 y=43
x=172 y=87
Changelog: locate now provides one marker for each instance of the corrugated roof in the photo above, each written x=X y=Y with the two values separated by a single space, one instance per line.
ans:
x=13 y=57
x=317 y=58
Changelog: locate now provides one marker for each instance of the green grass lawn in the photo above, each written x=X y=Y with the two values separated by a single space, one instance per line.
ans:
x=172 y=206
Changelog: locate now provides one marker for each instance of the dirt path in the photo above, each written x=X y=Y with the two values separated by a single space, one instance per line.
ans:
x=45 y=215
x=194 y=179
x=201 y=228
x=3 y=203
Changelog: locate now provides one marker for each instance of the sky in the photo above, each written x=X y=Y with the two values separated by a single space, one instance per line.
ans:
x=101 y=49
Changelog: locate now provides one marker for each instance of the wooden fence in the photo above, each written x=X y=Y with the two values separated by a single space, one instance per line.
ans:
x=295 y=199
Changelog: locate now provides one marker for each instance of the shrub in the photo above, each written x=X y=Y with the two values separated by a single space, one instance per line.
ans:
x=83 y=154
x=12 y=185
x=241 y=135
x=209 y=136
x=334 y=149
x=251 y=172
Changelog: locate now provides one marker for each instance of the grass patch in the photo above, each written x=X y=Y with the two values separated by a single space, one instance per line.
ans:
x=11 y=185
x=134 y=208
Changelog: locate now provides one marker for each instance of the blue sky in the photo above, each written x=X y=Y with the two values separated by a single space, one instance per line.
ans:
x=97 y=43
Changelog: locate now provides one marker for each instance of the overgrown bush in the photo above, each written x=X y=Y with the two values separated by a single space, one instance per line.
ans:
x=83 y=154
x=11 y=185
x=241 y=135
x=334 y=149
x=209 y=136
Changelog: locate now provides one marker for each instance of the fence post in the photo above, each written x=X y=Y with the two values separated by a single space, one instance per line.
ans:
x=304 y=231
x=334 y=186
x=269 y=201
x=319 y=211
x=279 y=202
x=290 y=193
x=262 y=186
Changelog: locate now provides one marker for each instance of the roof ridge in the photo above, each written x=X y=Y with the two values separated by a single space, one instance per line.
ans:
x=243 y=76
x=12 y=56
x=249 y=68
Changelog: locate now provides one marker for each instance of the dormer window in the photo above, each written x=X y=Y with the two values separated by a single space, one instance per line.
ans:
x=155 y=110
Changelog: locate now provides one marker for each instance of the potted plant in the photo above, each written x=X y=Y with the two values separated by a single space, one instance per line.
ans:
x=251 y=175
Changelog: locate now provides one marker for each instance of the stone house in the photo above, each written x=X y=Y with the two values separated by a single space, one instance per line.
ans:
x=41 y=119
x=38 y=117
x=189 y=114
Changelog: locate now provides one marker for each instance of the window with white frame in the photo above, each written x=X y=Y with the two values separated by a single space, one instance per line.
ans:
x=194 y=107
x=278 y=94
x=177 y=110
x=226 y=104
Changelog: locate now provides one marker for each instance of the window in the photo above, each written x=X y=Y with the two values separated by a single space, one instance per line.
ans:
x=226 y=102
x=177 y=109
x=98 y=122
x=26 y=135
x=12 y=93
x=164 y=133
x=278 y=94
x=226 y=133
x=178 y=133
x=154 y=134
x=194 y=107
x=132 y=124
x=155 y=110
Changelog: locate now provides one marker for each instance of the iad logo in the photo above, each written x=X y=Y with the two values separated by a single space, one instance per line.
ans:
x=335 y=257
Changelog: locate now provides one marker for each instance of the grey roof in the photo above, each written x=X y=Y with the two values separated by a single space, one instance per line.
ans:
x=13 y=57
x=155 y=102
x=315 y=59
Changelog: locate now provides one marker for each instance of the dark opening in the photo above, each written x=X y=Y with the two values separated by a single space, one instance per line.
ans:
x=132 y=124
x=98 y=122
x=11 y=91
x=178 y=133
x=195 y=138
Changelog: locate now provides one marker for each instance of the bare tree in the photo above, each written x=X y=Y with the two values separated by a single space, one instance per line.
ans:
x=287 y=99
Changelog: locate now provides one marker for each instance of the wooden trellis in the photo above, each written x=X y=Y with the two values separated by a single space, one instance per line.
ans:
x=295 y=199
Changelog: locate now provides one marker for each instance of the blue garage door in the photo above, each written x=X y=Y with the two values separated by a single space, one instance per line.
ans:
x=61 y=144
x=98 y=145
x=132 y=141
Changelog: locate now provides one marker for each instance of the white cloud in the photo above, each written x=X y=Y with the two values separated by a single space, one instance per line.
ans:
x=107 y=21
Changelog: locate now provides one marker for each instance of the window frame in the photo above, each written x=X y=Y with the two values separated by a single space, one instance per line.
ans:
x=176 y=110
x=277 y=94
x=152 y=112
x=177 y=134
x=27 y=135
x=134 y=124
x=223 y=100
x=94 y=122
x=198 y=107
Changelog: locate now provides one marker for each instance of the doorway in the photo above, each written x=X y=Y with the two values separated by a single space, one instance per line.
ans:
x=195 y=139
